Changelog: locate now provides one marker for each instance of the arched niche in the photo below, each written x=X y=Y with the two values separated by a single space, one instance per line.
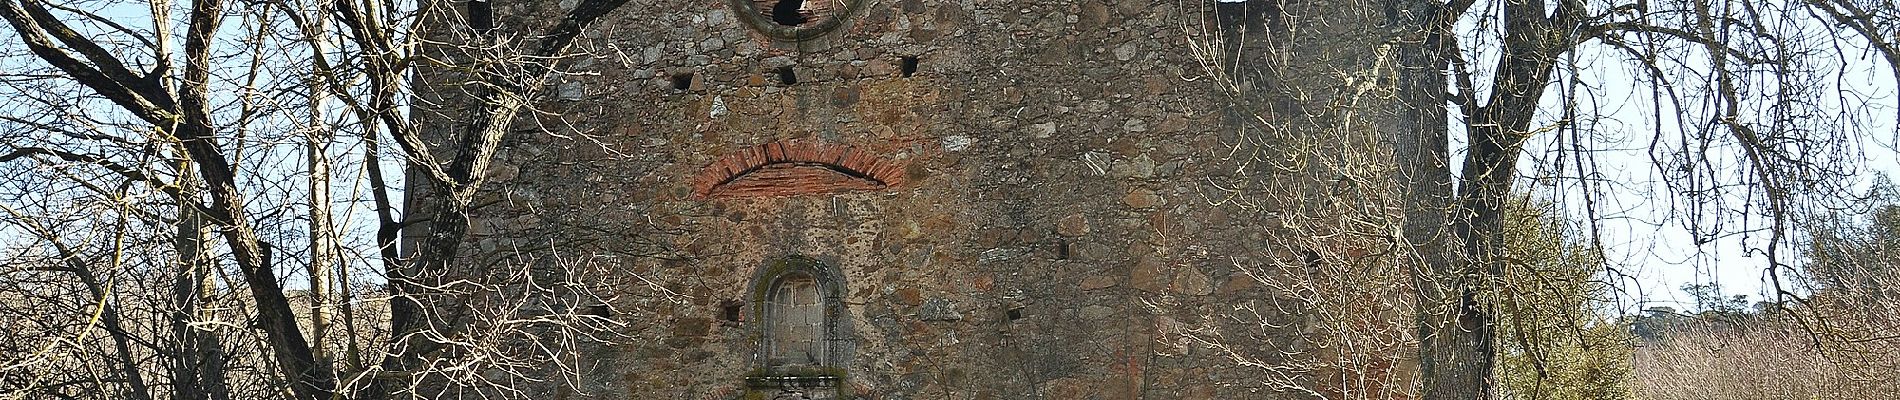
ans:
x=795 y=309
x=800 y=330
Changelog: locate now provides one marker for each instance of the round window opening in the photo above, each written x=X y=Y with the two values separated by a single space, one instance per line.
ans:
x=796 y=20
x=795 y=12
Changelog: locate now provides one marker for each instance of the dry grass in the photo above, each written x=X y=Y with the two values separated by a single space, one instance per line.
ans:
x=1755 y=357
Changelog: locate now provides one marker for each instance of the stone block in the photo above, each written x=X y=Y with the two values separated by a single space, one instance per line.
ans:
x=1073 y=225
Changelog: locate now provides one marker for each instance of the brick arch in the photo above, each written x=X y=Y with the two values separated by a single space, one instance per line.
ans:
x=796 y=167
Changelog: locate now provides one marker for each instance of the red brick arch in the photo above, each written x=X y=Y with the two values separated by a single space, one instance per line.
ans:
x=796 y=167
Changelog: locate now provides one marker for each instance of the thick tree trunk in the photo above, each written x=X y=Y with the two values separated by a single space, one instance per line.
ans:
x=1457 y=330
x=418 y=304
x=1421 y=144
x=1456 y=231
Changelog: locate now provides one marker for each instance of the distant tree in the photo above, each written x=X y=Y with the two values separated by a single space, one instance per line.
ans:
x=1655 y=322
x=1710 y=300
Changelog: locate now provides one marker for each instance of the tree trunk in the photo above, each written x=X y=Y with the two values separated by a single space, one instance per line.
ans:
x=1421 y=144
x=1456 y=231
x=200 y=370
x=323 y=241
x=443 y=192
x=308 y=378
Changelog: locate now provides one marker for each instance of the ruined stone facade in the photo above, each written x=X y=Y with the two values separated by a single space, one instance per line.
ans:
x=892 y=199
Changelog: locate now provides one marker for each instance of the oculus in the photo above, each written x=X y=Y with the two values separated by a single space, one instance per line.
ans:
x=796 y=20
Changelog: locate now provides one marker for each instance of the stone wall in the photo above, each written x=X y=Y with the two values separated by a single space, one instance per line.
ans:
x=1039 y=193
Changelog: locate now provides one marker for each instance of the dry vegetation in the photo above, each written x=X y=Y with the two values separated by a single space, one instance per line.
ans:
x=1839 y=343
x=1756 y=357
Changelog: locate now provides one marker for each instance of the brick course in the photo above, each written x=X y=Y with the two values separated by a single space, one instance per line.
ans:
x=796 y=167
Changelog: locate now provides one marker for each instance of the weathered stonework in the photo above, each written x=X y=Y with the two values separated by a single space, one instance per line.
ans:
x=1016 y=194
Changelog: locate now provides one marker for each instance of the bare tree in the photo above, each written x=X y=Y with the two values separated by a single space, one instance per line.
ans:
x=1743 y=133
x=176 y=127
x=1748 y=129
x=177 y=103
